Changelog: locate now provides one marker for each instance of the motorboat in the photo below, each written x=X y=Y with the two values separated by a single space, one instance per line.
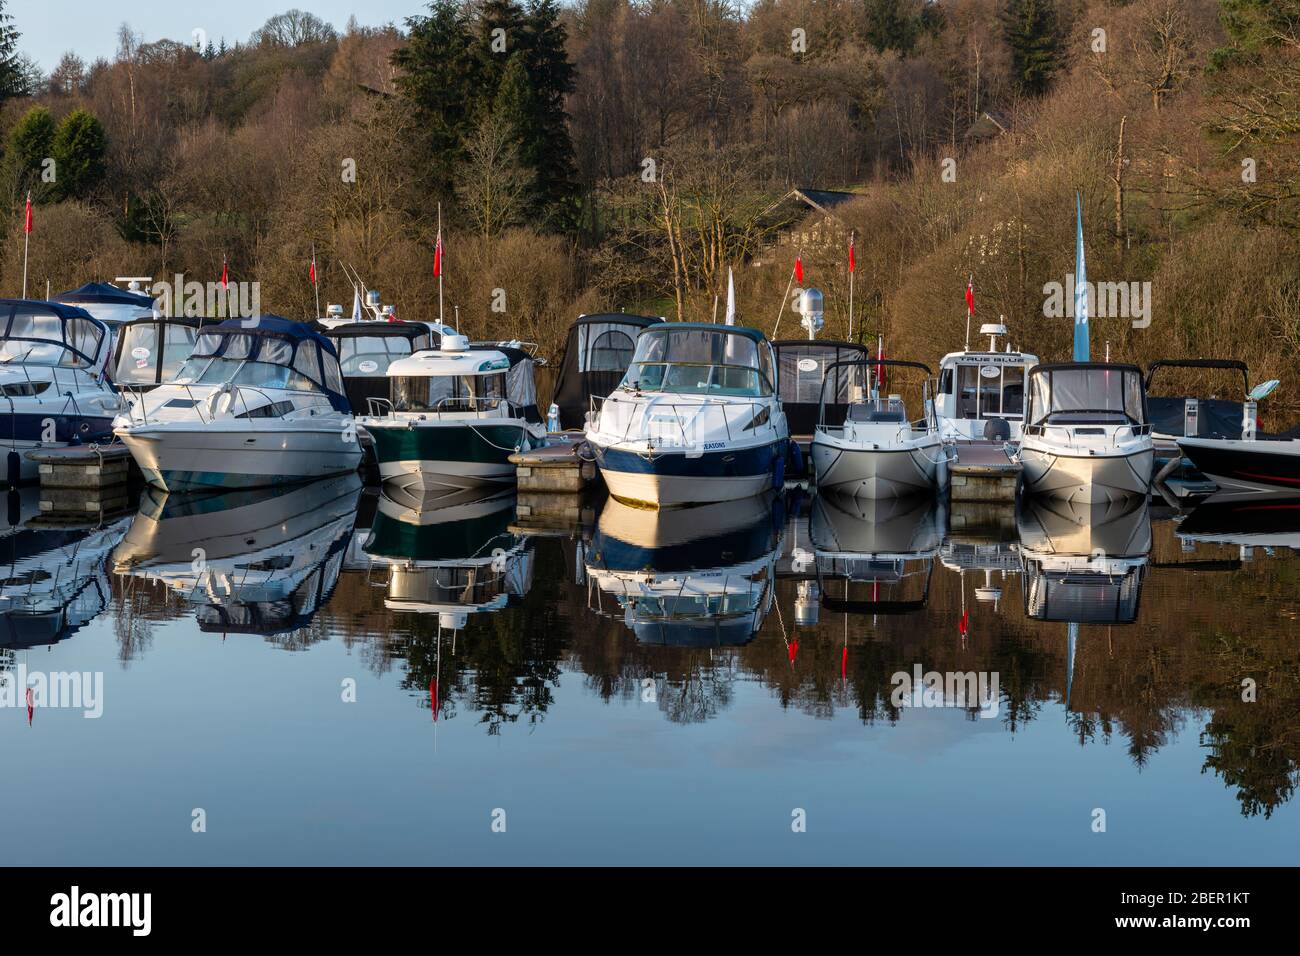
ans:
x=1211 y=416
x=695 y=420
x=150 y=351
x=111 y=304
x=981 y=394
x=1248 y=467
x=252 y=561
x=258 y=403
x=53 y=361
x=688 y=577
x=596 y=356
x=453 y=555
x=1084 y=563
x=1086 y=436
x=366 y=349
x=874 y=450
x=455 y=416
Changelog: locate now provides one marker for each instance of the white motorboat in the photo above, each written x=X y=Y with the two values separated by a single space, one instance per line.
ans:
x=455 y=416
x=258 y=403
x=696 y=419
x=874 y=451
x=53 y=361
x=367 y=349
x=1086 y=436
x=982 y=393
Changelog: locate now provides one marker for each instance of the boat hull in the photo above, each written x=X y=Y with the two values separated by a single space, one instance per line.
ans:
x=181 y=458
x=672 y=478
x=1260 y=468
x=1091 y=479
x=876 y=472
x=435 y=457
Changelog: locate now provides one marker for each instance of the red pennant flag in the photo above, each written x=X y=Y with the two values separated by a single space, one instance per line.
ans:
x=844 y=663
x=311 y=273
x=794 y=650
x=962 y=622
x=798 y=269
x=437 y=257
x=27 y=225
x=852 y=261
x=880 y=369
x=29 y=707
x=433 y=698
x=225 y=273
x=970 y=298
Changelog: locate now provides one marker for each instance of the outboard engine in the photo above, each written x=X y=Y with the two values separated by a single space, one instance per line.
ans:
x=997 y=429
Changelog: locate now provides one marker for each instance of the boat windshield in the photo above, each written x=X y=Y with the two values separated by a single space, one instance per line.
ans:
x=450 y=393
x=986 y=390
x=1067 y=396
x=138 y=362
x=703 y=362
x=372 y=354
x=234 y=364
x=39 y=339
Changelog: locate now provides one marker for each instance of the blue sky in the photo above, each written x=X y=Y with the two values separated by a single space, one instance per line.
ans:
x=51 y=27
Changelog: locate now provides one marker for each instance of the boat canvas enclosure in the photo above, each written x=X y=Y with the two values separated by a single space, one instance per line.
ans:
x=596 y=356
x=1215 y=416
x=150 y=351
x=1086 y=393
x=270 y=353
x=108 y=303
x=476 y=380
x=366 y=349
x=47 y=333
x=801 y=367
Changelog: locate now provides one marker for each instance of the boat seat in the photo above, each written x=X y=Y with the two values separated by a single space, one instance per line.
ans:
x=866 y=413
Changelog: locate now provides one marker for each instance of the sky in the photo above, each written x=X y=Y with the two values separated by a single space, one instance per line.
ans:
x=51 y=27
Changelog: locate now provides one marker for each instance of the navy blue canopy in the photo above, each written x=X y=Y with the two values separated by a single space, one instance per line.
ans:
x=106 y=293
x=314 y=356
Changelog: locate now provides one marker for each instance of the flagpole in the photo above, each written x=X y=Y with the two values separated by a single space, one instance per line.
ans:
x=851 y=274
x=27 y=235
x=439 y=252
x=315 y=279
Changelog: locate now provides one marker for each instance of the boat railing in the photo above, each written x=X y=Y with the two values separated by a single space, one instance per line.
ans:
x=651 y=415
x=1066 y=435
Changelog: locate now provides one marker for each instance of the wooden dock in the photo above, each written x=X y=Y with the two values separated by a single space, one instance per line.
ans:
x=562 y=466
x=983 y=471
x=83 y=479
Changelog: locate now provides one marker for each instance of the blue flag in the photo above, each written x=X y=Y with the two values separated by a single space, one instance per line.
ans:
x=1080 y=288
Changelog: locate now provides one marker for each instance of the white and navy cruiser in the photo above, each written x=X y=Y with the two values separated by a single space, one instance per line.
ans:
x=52 y=376
x=255 y=405
x=695 y=420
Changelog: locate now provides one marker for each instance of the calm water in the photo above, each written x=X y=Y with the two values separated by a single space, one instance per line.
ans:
x=327 y=677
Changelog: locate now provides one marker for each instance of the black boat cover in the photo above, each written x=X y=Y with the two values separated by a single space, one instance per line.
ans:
x=596 y=357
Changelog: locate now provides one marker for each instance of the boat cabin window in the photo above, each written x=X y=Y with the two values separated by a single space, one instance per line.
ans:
x=449 y=393
x=986 y=391
x=258 y=361
x=706 y=362
x=138 y=361
x=43 y=339
x=372 y=354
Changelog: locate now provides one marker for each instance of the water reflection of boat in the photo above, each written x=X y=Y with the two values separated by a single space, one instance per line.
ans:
x=1084 y=563
x=693 y=577
x=53 y=579
x=256 y=561
x=1246 y=524
x=884 y=543
x=452 y=555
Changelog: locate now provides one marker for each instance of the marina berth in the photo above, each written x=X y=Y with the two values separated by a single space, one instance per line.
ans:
x=455 y=415
x=1086 y=436
x=596 y=355
x=259 y=402
x=53 y=381
x=695 y=420
x=873 y=450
